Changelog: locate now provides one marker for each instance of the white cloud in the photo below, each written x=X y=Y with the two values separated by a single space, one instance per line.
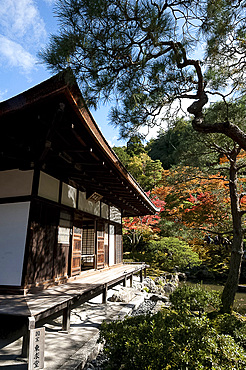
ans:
x=2 y=94
x=20 y=20
x=112 y=142
x=22 y=34
x=15 y=55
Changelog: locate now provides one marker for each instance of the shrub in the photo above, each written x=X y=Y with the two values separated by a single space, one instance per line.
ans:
x=178 y=339
x=169 y=340
x=195 y=298
x=231 y=325
x=170 y=253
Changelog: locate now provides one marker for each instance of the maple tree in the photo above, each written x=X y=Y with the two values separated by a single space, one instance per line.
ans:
x=215 y=203
x=200 y=203
x=144 y=227
x=195 y=199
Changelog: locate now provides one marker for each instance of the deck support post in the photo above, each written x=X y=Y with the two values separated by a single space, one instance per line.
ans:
x=131 y=278
x=26 y=337
x=141 y=276
x=105 y=294
x=66 y=318
x=145 y=272
x=124 y=281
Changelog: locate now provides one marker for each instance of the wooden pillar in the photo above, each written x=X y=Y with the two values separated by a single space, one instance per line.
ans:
x=66 y=318
x=141 y=276
x=125 y=281
x=26 y=337
x=131 y=278
x=145 y=272
x=95 y=244
x=105 y=294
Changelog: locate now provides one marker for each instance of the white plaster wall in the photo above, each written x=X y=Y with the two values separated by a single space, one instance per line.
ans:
x=13 y=229
x=15 y=183
x=48 y=187
x=69 y=195
x=111 y=244
x=115 y=214
x=104 y=210
x=87 y=205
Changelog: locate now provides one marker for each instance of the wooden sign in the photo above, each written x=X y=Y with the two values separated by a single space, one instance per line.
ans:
x=64 y=235
x=36 y=349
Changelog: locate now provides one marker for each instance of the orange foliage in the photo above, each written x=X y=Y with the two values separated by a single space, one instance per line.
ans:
x=145 y=224
x=195 y=200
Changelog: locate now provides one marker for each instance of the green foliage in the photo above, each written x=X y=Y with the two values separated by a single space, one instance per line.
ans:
x=190 y=298
x=233 y=111
x=225 y=21
x=180 y=145
x=215 y=256
x=122 y=154
x=129 y=245
x=132 y=50
x=231 y=325
x=172 y=229
x=169 y=253
x=135 y=146
x=176 y=339
x=146 y=171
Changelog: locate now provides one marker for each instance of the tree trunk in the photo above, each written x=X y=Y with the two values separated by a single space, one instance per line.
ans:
x=231 y=285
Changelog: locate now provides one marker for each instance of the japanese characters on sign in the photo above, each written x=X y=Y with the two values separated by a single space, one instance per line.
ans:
x=36 y=349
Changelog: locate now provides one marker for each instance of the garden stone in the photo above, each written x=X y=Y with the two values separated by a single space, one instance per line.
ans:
x=123 y=295
x=153 y=302
x=157 y=297
x=175 y=279
x=169 y=288
x=149 y=283
x=160 y=280
x=144 y=308
x=159 y=289
x=138 y=286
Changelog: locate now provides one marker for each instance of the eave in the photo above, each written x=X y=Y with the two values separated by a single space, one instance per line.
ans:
x=50 y=127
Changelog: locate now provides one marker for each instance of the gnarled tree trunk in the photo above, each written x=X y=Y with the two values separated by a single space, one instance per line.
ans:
x=231 y=285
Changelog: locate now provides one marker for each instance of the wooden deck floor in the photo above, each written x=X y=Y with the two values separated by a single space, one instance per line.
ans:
x=52 y=300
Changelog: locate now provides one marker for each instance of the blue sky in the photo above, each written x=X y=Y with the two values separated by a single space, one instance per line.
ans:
x=25 y=26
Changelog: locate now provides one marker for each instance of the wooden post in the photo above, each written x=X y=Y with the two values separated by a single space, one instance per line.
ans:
x=26 y=337
x=124 y=281
x=131 y=277
x=141 y=276
x=66 y=318
x=145 y=272
x=25 y=343
x=105 y=294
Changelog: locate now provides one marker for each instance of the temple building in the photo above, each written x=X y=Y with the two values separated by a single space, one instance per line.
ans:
x=63 y=190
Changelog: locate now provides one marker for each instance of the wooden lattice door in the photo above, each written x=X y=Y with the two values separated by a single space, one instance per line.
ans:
x=76 y=251
x=100 y=245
